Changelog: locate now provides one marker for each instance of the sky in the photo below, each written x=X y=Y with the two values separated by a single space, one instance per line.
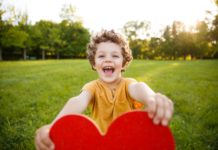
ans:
x=113 y=14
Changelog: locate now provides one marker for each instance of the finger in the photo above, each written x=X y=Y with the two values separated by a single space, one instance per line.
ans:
x=39 y=144
x=47 y=141
x=36 y=141
x=36 y=145
x=171 y=105
x=43 y=140
x=151 y=107
x=168 y=112
x=167 y=118
x=160 y=109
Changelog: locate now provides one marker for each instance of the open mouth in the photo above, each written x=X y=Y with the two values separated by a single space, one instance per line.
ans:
x=108 y=70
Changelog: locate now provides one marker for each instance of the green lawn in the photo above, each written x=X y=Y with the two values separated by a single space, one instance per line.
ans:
x=33 y=92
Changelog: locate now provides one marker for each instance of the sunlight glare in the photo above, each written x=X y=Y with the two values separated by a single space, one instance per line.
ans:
x=98 y=14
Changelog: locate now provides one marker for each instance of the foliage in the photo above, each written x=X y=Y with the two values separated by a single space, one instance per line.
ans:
x=134 y=29
x=214 y=36
x=177 y=42
x=75 y=38
x=68 y=39
x=14 y=38
x=43 y=39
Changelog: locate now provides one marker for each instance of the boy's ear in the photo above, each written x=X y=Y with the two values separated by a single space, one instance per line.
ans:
x=93 y=66
x=123 y=69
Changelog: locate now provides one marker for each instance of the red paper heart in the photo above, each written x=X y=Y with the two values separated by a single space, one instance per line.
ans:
x=131 y=131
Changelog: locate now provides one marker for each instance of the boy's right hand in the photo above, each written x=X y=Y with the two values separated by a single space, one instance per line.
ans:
x=42 y=139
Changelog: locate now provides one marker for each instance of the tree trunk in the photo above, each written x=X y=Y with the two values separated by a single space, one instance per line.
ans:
x=24 y=54
x=58 y=55
x=43 y=54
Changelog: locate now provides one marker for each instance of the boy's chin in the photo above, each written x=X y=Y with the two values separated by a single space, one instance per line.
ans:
x=108 y=79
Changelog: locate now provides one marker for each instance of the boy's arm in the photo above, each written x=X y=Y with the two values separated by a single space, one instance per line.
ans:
x=159 y=107
x=141 y=92
x=75 y=105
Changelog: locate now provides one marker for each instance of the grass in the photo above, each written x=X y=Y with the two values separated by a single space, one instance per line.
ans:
x=33 y=92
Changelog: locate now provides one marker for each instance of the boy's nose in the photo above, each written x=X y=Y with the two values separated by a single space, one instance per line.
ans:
x=108 y=59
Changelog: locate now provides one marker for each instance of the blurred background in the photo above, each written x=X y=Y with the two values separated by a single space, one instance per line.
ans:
x=43 y=51
x=170 y=29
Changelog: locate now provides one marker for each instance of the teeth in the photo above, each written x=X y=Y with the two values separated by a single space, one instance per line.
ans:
x=108 y=67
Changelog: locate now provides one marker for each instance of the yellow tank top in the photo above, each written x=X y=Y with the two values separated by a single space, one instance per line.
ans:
x=106 y=104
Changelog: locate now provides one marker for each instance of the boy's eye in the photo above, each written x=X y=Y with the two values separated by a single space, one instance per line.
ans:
x=115 y=56
x=100 y=56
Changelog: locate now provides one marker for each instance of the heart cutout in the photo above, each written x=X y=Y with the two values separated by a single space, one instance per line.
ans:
x=133 y=131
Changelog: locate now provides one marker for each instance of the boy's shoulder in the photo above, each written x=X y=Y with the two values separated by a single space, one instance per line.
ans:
x=129 y=80
x=90 y=86
x=93 y=82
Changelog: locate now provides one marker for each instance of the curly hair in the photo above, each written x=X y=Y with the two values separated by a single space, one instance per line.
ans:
x=112 y=36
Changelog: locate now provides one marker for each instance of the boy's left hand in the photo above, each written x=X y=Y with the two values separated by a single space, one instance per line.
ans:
x=160 y=108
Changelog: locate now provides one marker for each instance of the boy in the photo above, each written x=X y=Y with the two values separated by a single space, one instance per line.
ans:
x=111 y=94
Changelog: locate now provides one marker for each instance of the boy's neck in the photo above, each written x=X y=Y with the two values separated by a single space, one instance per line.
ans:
x=112 y=85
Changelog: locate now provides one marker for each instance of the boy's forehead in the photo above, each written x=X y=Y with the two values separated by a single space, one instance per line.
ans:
x=109 y=46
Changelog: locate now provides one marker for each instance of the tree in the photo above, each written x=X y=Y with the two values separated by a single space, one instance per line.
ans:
x=42 y=36
x=55 y=40
x=201 y=40
x=167 y=48
x=14 y=38
x=14 y=25
x=74 y=38
x=2 y=29
x=135 y=31
x=213 y=34
x=185 y=44
x=154 y=47
x=24 y=26
x=68 y=12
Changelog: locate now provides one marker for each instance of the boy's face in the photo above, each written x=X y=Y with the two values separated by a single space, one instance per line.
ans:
x=108 y=61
